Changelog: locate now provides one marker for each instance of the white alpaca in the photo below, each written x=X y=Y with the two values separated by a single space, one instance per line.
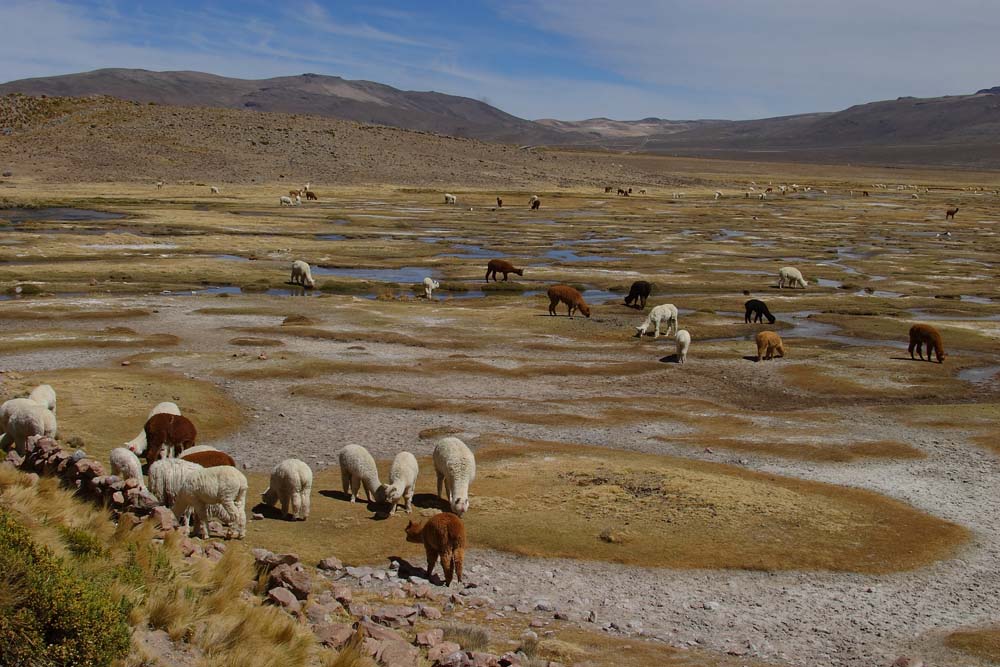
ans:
x=284 y=200
x=302 y=274
x=429 y=286
x=791 y=277
x=683 y=339
x=718 y=194
x=215 y=190
x=45 y=395
x=22 y=418
x=159 y=185
x=455 y=465
x=663 y=313
x=402 y=480
x=222 y=486
x=357 y=469
x=291 y=484
x=450 y=199
x=138 y=444
x=126 y=465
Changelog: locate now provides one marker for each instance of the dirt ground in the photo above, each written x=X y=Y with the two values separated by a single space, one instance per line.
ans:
x=834 y=506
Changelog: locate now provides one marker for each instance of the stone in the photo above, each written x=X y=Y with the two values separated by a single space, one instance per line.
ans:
x=537 y=623
x=286 y=576
x=428 y=612
x=905 y=661
x=330 y=563
x=163 y=517
x=341 y=593
x=188 y=547
x=544 y=605
x=380 y=632
x=319 y=613
x=430 y=638
x=484 y=660
x=439 y=654
x=283 y=598
x=510 y=659
x=397 y=654
x=395 y=617
x=14 y=459
x=334 y=635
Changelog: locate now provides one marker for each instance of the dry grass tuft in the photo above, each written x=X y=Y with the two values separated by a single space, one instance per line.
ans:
x=983 y=643
x=469 y=637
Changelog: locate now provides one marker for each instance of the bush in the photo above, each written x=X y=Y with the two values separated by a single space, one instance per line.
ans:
x=48 y=616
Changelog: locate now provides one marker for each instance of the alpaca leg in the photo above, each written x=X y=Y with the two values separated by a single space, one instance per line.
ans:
x=295 y=502
x=459 y=561
x=657 y=333
x=431 y=561
x=355 y=487
x=552 y=306
x=913 y=345
x=345 y=479
x=447 y=564
x=305 y=504
x=284 y=508
x=368 y=492
x=409 y=500
x=440 y=483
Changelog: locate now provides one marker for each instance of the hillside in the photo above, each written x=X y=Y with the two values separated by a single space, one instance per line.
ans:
x=105 y=139
x=314 y=94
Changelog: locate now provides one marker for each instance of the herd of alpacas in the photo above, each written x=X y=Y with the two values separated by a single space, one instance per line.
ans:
x=201 y=483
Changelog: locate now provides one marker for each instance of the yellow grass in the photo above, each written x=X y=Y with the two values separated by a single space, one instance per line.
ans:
x=983 y=643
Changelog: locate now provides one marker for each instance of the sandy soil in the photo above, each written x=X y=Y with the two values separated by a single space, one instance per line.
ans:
x=379 y=372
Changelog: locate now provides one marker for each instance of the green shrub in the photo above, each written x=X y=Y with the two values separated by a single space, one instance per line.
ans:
x=50 y=617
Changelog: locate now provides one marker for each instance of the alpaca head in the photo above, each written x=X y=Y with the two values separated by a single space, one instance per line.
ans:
x=770 y=318
x=460 y=506
x=519 y=272
x=414 y=532
x=388 y=494
x=585 y=309
x=269 y=497
x=309 y=282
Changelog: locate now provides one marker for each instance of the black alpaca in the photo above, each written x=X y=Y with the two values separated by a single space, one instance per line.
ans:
x=638 y=294
x=757 y=309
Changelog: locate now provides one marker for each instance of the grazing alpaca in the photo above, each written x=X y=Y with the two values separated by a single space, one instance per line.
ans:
x=295 y=194
x=683 y=339
x=950 y=213
x=442 y=535
x=864 y=193
x=607 y=189
x=769 y=343
x=499 y=202
x=311 y=195
x=495 y=266
x=666 y=312
x=757 y=309
x=622 y=193
x=921 y=334
x=429 y=286
x=638 y=294
x=571 y=297
x=168 y=434
x=450 y=199
x=535 y=202
x=791 y=276
x=302 y=274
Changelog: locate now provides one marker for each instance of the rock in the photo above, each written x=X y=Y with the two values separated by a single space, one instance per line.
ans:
x=904 y=661
x=537 y=623
x=428 y=612
x=710 y=606
x=359 y=572
x=283 y=598
x=395 y=617
x=14 y=459
x=330 y=563
x=163 y=517
x=544 y=605
x=397 y=654
x=334 y=635
x=380 y=632
x=341 y=593
x=286 y=576
x=266 y=560
x=126 y=363
x=510 y=659
x=188 y=547
x=439 y=654
x=320 y=613
x=484 y=660
x=430 y=638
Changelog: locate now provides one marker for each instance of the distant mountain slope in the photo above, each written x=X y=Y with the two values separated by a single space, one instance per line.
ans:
x=361 y=101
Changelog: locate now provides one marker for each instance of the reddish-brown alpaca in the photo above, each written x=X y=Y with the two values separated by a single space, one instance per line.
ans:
x=209 y=459
x=925 y=334
x=442 y=535
x=165 y=430
x=496 y=266
x=568 y=295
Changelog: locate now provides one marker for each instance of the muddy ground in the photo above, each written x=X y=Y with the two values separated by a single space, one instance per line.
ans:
x=835 y=506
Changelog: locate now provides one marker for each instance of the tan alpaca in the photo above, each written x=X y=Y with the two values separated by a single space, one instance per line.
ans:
x=769 y=343
x=442 y=535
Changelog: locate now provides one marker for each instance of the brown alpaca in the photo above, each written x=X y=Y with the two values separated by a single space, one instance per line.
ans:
x=925 y=334
x=442 y=535
x=499 y=202
x=311 y=195
x=769 y=343
x=209 y=459
x=950 y=213
x=501 y=266
x=175 y=432
x=570 y=297
x=864 y=193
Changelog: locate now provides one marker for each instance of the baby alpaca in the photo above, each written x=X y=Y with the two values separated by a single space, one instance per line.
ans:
x=429 y=286
x=442 y=535
x=683 y=339
x=769 y=343
x=291 y=484
x=666 y=312
x=402 y=480
x=925 y=334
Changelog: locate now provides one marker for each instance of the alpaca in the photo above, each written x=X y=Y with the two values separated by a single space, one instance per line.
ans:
x=756 y=309
x=570 y=296
x=169 y=434
x=310 y=195
x=442 y=535
x=925 y=334
x=769 y=343
x=950 y=213
x=499 y=202
x=495 y=266
x=638 y=294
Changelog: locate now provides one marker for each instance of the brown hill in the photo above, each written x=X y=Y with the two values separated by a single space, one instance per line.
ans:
x=107 y=139
x=361 y=101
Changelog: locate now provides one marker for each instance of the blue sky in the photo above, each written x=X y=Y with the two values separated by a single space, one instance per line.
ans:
x=567 y=59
